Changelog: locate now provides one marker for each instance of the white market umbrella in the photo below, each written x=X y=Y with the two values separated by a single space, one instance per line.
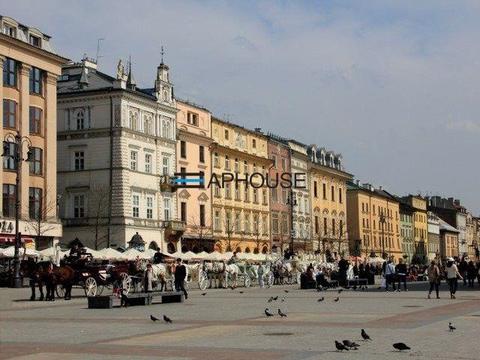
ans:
x=9 y=252
x=131 y=254
x=109 y=253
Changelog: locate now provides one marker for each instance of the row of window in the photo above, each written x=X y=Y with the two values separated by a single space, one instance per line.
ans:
x=382 y=210
x=283 y=163
x=201 y=151
x=386 y=226
x=231 y=225
x=388 y=242
x=217 y=192
x=166 y=127
x=332 y=192
x=35 y=160
x=10 y=76
x=10 y=117
x=333 y=230
x=227 y=165
x=184 y=215
x=227 y=137
x=35 y=199
x=148 y=166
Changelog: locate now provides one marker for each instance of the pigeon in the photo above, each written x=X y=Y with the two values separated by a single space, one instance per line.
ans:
x=275 y=298
x=203 y=294
x=340 y=346
x=365 y=336
x=401 y=346
x=241 y=292
x=281 y=313
x=268 y=313
x=340 y=291
x=351 y=344
x=271 y=299
x=321 y=299
x=451 y=327
x=167 y=319
x=286 y=290
x=153 y=318
x=336 y=299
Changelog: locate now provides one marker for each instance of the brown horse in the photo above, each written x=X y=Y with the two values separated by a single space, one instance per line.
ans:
x=44 y=272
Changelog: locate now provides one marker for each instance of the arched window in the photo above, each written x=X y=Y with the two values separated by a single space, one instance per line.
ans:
x=238 y=249
x=153 y=245
x=166 y=129
x=247 y=250
x=184 y=249
x=147 y=125
x=265 y=250
x=80 y=117
x=256 y=251
x=171 y=248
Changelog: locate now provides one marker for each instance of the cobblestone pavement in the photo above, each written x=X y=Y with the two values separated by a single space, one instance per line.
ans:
x=227 y=324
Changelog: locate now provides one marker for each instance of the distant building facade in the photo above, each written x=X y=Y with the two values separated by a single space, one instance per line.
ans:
x=193 y=156
x=433 y=250
x=373 y=221
x=280 y=197
x=448 y=240
x=28 y=91
x=116 y=142
x=240 y=209
x=328 y=193
x=420 y=227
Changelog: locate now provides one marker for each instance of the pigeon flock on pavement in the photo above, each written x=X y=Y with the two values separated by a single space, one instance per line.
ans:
x=344 y=345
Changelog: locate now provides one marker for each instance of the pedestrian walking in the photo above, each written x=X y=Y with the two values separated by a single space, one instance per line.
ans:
x=433 y=273
x=462 y=269
x=452 y=277
x=471 y=273
x=260 y=275
x=389 y=275
x=401 y=272
x=180 y=275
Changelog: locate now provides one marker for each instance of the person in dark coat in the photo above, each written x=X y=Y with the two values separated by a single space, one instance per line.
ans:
x=158 y=257
x=342 y=269
x=401 y=272
x=462 y=269
x=471 y=273
x=180 y=275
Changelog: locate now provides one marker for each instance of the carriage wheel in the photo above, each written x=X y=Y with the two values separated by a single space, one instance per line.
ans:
x=203 y=282
x=247 y=282
x=90 y=286
x=60 y=291
x=127 y=283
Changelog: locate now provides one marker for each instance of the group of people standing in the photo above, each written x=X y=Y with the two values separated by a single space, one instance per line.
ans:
x=178 y=269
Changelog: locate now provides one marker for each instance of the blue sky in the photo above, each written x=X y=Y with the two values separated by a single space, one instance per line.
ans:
x=392 y=85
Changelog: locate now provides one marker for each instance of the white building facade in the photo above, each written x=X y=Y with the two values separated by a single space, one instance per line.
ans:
x=116 y=144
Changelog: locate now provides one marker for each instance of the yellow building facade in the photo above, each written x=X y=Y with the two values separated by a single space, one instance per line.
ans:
x=373 y=221
x=240 y=204
x=28 y=91
x=420 y=225
x=328 y=194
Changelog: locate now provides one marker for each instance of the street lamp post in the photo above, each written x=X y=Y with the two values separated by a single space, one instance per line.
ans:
x=17 y=156
x=382 y=221
x=292 y=201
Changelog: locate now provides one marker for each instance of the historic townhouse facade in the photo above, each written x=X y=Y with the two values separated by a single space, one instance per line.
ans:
x=451 y=211
x=328 y=194
x=116 y=154
x=373 y=221
x=28 y=91
x=433 y=251
x=280 y=197
x=299 y=199
x=240 y=209
x=448 y=240
x=193 y=156
x=420 y=226
x=406 y=231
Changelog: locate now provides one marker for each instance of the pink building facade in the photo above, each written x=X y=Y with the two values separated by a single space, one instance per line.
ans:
x=280 y=216
x=193 y=156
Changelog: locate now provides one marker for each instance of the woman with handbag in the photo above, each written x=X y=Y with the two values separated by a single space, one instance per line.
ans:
x=452 y=277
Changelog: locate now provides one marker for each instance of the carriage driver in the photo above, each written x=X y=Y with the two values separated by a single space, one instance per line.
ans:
x=158 y=257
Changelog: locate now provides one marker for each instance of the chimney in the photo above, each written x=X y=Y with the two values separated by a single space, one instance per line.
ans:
x=259 y=130
x=380 y=188
x=456 y=202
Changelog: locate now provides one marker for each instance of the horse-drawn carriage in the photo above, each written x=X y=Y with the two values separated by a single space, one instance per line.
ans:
x=94 y=277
